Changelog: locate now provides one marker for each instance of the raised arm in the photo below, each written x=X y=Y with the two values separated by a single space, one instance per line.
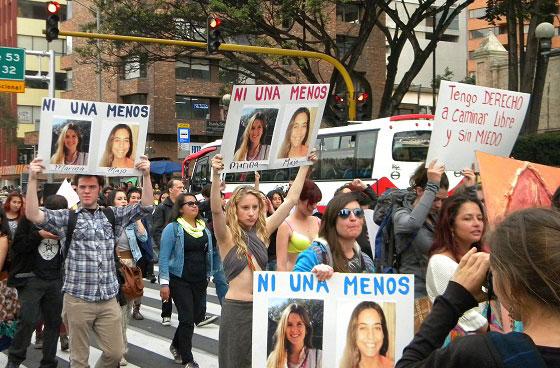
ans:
x=223 y=236
x=257 y=180
x=32 y=211
x=282 y=239
x=292 y=198
x=147 y=191
x=3 y=249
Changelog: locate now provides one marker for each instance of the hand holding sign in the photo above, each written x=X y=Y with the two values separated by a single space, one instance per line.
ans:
x=323 y=272
x=217 y=165
x=36 y=167
x=143 y=165
x=470 y=177
x=435 y=171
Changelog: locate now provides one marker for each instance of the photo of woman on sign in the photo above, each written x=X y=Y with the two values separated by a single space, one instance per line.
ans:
x=296 y=143
x=252 y=146
x=70 y=145
x=367 y=338
x=293 y=347
x=119 y=148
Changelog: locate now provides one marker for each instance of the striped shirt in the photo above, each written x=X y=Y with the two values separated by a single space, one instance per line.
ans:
x=90 y=272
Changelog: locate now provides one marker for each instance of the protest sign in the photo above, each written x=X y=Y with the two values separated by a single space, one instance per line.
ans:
x=510 y=185
x=272 y=126
x=331 y=310
x=69 y=193
x=86 y=137
x=474 y=118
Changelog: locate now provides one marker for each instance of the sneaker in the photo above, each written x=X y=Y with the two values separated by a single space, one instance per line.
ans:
x=192 y=364
x=176 y=356
x=38 y=342
x=64 y=343
x=207 y=320
x=166 y=321
x=123 y=362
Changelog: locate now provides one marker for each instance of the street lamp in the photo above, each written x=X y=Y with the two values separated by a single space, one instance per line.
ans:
x=544 y=33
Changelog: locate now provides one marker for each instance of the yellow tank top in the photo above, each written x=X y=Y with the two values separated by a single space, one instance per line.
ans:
x=298 y=242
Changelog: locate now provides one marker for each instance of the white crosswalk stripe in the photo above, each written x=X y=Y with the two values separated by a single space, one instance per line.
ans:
x=148 y=340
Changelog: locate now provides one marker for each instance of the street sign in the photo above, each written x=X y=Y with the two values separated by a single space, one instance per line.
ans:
x=184 y=135
x=13 y=86
x=12 y=63
x=183 y=125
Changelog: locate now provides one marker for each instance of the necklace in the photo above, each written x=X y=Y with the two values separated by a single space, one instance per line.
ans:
x=257 y=151
x=74 y=157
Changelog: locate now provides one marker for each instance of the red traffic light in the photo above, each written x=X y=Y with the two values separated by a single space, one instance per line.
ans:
x=338 y=99
x=53 y=7
x=214 y=22
x=362 y=97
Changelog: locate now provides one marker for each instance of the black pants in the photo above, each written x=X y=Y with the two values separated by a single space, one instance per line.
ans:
x=39 y=298
x=167 y=307
x=190 y=300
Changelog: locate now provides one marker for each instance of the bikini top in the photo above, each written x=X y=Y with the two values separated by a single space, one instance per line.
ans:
x=298 y=242
x=234 y=263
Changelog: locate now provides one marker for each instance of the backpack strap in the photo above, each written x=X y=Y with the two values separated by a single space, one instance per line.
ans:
x=517 y=350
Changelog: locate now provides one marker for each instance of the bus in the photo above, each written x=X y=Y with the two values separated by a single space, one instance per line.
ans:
x=382 y=153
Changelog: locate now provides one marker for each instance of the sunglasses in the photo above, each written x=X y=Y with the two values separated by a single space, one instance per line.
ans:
x=191 y=204
x=345 y=212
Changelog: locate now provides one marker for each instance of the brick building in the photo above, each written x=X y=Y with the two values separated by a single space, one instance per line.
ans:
x=190 y=90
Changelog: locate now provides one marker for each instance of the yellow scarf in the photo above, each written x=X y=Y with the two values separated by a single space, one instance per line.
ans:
x=195 y=232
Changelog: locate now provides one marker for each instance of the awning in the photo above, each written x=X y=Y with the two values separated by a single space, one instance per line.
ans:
x=164 y=167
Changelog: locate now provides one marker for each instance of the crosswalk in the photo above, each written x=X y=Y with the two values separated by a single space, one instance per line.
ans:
x=148 y=340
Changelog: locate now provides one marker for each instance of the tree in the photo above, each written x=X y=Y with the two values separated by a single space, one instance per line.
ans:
x=294 y=24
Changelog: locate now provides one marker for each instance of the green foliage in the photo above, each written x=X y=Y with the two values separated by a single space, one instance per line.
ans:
x=538 y=148
x=447 y=76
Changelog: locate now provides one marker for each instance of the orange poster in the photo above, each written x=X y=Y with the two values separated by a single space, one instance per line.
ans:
x=511 y=185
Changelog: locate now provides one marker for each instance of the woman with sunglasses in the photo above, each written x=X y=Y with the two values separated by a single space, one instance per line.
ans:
x=300 y=228
x=336 y=249
x=185 y=265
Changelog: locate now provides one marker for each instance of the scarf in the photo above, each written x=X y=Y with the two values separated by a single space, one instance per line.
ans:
x=195 y=232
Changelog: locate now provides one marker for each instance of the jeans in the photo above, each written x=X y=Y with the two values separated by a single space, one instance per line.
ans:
x=190 y=300
x=38 y=298
x=219 y=275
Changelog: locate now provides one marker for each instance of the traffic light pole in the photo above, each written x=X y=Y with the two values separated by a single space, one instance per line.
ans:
x=238 y=48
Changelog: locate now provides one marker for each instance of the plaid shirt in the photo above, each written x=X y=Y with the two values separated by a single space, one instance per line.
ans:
x=90 y=272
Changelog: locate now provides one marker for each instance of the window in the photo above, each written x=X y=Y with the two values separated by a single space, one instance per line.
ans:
x=59 y=80
x=29 y=114
x=233 y=74
x=201 y=174
x=134 y=67
x=444 y=37
x=477 y=13
x=411 y=146
x=136 y=99
x=478 y=33
x=349 y=12
x=191 y=107
x=432 y=21
x=69 y=80
x=37 y=10
x=192 y=68
x=344 y=44
x=40 y=44
x=188 y=30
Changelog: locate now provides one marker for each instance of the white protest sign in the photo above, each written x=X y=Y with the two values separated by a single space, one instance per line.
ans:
x=474 y=118
x=86 y=137
x=333 y=308
x=372 y=228
x=69 y=193
x=272 y=126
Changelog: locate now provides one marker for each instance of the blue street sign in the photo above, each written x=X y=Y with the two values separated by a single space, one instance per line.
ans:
x=184 y=135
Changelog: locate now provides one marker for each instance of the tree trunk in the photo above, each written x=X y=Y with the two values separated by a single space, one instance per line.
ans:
x=513 y=65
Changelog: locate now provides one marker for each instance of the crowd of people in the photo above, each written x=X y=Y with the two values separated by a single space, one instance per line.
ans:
x=62 y=269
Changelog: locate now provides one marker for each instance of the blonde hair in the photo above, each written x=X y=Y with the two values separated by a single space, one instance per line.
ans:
x=60 y=152
x=287 y=144
x=239 y=235
x=278 y=357
x=241 y=153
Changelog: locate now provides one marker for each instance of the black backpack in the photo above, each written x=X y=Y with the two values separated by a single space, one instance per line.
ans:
x=386 y=257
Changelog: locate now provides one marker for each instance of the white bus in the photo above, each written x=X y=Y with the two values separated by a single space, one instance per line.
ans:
x=383 y=153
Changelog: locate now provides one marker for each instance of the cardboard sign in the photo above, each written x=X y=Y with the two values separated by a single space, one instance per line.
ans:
x=473 y=118
x=69 y=193
x=85 y=137
x=510 y=185
x=331 y=310
x=272 y=126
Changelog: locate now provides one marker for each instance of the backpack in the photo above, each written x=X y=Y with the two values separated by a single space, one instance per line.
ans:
x=386 y=257
x=325 y=256
x=517 y=350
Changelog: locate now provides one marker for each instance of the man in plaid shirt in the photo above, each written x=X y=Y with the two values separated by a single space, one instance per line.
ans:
x=90 y=280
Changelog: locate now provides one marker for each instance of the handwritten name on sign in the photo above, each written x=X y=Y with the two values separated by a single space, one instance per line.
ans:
x=485 y=119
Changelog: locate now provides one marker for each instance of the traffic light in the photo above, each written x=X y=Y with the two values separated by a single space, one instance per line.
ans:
x=339 y=108
x=52 y=21
x=363 y=106
x=213 y=34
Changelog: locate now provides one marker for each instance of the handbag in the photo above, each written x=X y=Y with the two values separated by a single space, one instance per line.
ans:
x=422 y=307
x=133 y=284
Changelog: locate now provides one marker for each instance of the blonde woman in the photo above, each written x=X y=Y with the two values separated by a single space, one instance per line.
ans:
x=69 y=146
x=242 y=233
x=252 y=146
x=367 y=338
x=293 y=341
x=119 y=147
x=296 y=143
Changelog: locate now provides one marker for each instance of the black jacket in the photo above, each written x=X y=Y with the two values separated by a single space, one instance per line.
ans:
x=162 y=217
x=26 y=241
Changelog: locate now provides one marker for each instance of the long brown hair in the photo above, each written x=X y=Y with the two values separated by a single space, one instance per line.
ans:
x=21 y=211
x=444 y=239
x=328 y=229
